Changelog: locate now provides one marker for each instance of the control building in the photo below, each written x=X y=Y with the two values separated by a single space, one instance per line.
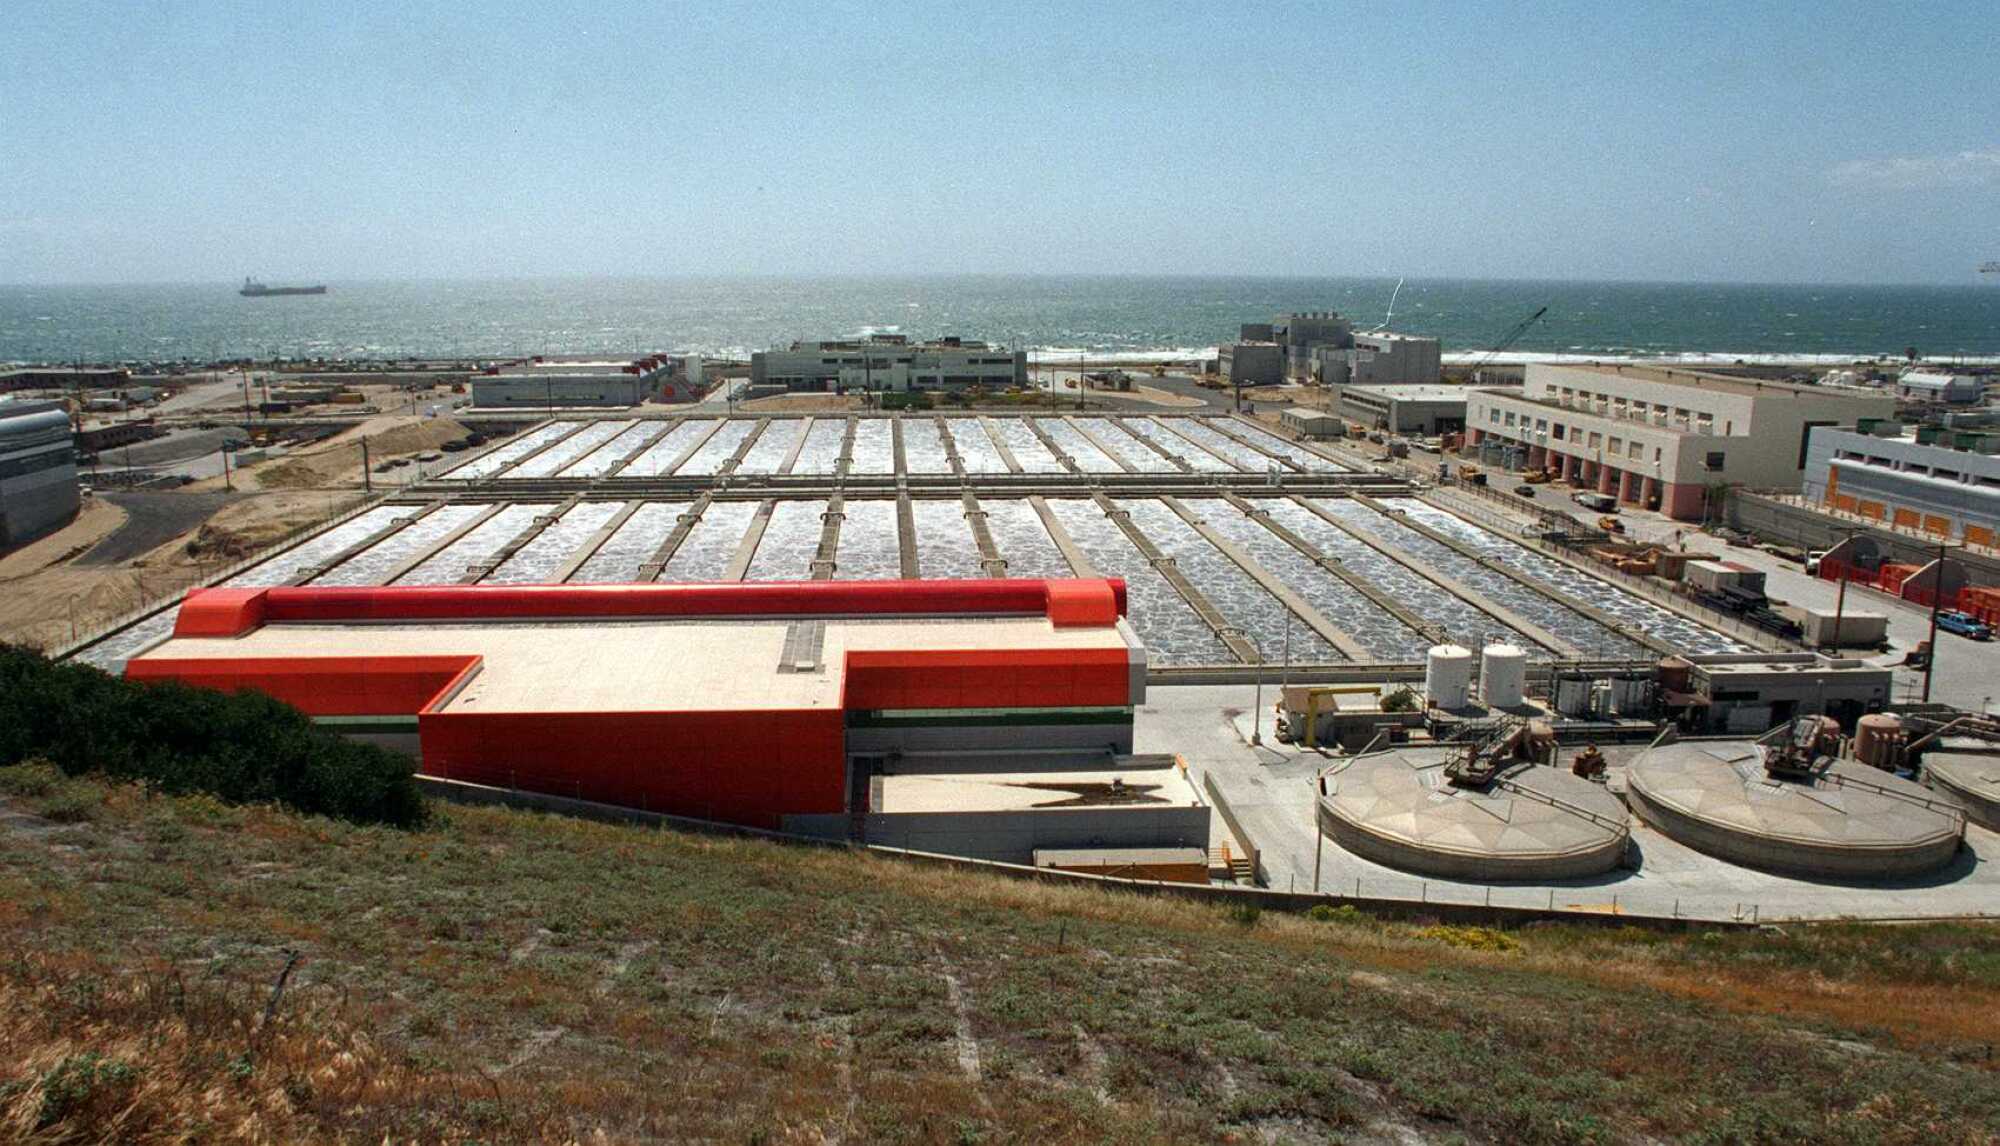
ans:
x=38 y=484
x=889 y=362
x=563 y=383
x=1947 y=486
x=1657 y=435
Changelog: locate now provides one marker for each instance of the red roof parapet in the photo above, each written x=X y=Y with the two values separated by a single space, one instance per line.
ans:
x=232 y=612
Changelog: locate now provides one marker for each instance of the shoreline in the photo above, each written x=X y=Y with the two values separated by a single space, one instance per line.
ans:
x=1059 y=358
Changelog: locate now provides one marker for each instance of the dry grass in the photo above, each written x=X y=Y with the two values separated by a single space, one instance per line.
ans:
x=511 y=977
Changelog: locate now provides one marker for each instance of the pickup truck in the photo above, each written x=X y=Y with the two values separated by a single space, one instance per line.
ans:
x=1600 y=502
x=1952 y=621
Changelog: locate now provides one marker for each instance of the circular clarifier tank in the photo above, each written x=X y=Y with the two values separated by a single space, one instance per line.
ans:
x=1530 y=823
x=1971 y=780
x=1847 y=821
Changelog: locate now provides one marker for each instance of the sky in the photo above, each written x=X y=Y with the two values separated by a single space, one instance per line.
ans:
x=186 y=141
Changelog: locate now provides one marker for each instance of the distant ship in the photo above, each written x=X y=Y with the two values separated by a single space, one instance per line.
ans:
x=254 y=289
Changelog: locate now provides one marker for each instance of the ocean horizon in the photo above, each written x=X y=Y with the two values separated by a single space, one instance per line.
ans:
x=1106 y=317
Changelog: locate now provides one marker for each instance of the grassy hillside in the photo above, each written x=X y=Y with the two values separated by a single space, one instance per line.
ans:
x=500 y=976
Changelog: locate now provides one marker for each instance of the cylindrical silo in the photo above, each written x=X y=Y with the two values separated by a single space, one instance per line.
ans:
x=1503 y=673
x=1876 y=738
x=1447 y=675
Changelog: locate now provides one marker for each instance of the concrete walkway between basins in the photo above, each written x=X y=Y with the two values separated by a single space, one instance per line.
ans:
x=1270 y=790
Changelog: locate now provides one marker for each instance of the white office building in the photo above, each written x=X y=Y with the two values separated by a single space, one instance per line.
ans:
x=889 y=363
x=1942 y=389
x=567 y=383
x=1657 y=435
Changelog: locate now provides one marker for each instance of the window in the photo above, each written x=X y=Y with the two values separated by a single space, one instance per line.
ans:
x=1617 y=444
x=1945 y=475
x=1541 y=423
x=1493 y=415
x=1635 y=450
x=1713 y=461
x=1596 y=439
x=1510 y=417
x=1559 y=431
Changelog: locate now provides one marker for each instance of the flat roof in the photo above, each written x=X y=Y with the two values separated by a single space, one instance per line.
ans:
x=638 y=665
x=1703 y=380
x=1420 y=392
x=1138 y=788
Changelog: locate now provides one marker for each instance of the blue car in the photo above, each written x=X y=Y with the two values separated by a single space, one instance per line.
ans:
x=1964 y=626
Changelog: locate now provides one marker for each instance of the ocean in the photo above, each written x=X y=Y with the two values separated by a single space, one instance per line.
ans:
x=1108 y=316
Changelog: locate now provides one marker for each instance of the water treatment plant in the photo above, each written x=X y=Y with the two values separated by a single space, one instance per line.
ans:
x=1222 y=642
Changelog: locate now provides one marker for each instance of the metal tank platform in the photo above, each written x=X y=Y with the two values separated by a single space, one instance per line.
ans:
x=1843 y=821
x=1531 y=822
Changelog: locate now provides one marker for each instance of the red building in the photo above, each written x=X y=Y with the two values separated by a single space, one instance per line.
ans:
x=758 y=704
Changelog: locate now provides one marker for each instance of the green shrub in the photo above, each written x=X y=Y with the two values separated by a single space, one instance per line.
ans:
x=1327 y=913
x=33 y=778
x=75 y=1081
x=240 y=747
x=1402 y=700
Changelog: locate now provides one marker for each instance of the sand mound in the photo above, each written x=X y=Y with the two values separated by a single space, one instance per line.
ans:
x=340 y=460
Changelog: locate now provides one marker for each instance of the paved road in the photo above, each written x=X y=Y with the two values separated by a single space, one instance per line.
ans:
x=152 y=518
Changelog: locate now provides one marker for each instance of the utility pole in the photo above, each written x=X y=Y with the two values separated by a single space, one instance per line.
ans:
x=1257 y=706
x=367 y=483
x=1840 y=596
x=1937 y=598
x=223 y=449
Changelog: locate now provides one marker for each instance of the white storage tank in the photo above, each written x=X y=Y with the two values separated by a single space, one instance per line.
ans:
x=1572 y=695
x=1447 y=676
x=1631 y=695
x=1503 y=674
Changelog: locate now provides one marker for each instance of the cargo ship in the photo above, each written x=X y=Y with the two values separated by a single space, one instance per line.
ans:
x=254 y=289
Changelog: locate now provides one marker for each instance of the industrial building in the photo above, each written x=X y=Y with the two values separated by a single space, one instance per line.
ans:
x=38 y=483
x=1938 y=388
x=1379 y=358
x=889 y=362
x=1306 y=422
x=1941 y=482
x=770 y=705
x=1304 y=331
x=1660 y=436
x=62 y=377
x=1251 y=363
x=563 y=383
x=1404 y=409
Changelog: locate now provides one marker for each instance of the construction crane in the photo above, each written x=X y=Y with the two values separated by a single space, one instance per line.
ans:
x=1507 y=340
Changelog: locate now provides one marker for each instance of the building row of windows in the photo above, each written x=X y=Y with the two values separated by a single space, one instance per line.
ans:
x=1633 y=409
x=1901 y=465
x=1612 y=445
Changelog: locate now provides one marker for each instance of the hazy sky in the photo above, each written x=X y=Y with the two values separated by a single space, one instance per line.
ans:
x=176 y=141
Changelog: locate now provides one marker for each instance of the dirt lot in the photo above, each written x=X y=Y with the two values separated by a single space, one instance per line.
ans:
x=48 y=592
x=337 y=461
x=802 y=403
